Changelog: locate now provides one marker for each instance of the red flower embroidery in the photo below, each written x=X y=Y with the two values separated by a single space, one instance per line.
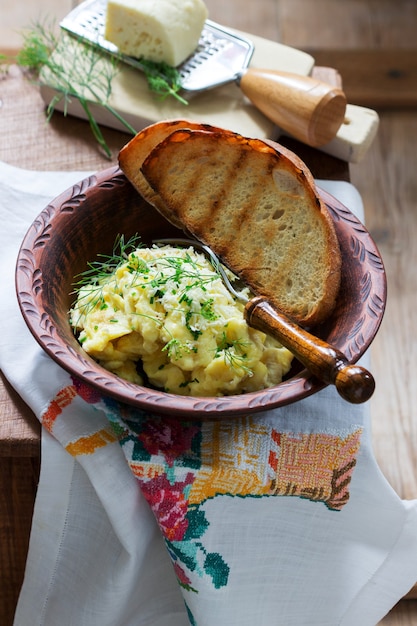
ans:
x=169 y=505
x=168 y=437
x=87 y=393
x=181 y=575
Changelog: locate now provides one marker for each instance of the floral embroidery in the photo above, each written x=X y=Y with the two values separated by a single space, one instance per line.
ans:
x=86 y=392
x=165 y=456
x=169 y=439
x=169 y=504
x=181 y=465
x=89 y=444
x=64 y=397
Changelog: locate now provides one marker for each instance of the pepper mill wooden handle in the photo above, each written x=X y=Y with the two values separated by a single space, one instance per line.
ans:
x=308 y=109
x=354 y=383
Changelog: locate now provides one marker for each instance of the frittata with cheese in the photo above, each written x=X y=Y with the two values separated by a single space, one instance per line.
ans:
x=164 y=318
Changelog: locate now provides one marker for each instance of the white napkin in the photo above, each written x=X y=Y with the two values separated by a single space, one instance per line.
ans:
x=236 y=554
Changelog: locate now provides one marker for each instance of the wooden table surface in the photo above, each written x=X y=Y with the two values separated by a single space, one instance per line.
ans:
x=64 y=144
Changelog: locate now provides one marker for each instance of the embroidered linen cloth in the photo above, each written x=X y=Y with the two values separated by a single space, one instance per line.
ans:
x=281 y=518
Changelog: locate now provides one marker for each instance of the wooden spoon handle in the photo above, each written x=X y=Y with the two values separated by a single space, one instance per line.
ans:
x=310 y=110
x=354 y=383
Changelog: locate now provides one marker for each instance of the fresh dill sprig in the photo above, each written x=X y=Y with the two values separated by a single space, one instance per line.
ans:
x=183 y=268
x=78 y=69
x=163 y=79
x=100 y=270
x=107 y=263
x=74 y=71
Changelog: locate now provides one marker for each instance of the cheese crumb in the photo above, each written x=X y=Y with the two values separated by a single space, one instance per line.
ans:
x=157 y=30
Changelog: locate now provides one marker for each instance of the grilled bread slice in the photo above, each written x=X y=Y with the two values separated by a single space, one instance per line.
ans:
x=255 y=204
x=132 y=155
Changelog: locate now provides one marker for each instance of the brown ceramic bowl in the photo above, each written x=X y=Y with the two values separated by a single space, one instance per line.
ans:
x=85 y=220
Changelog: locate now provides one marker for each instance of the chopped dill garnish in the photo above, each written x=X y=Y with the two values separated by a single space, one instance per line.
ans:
x=100 y=270
x=97 y=270
x=233 y=353
x=207 y=310
x=124 y=272
x=188 y=382
x=176 y=348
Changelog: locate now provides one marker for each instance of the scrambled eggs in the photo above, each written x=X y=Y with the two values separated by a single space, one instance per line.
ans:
x=164 y=317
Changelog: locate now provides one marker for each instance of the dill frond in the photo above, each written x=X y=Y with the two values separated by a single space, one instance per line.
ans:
x=107 y=263
x=74 y=70
x=163 y=79
x=233 y=353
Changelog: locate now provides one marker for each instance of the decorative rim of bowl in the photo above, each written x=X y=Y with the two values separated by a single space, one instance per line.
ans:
x=29 y=288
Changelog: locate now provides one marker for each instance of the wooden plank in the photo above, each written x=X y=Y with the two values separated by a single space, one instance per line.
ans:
x=377 y=79
x=257 y=18
x=372 y=44
x=351 y=24
x=386 y=181
x=403 y=614
x=19 y=428
x=18 y=480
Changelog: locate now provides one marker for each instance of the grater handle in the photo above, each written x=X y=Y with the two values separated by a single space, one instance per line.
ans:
x=308 y=109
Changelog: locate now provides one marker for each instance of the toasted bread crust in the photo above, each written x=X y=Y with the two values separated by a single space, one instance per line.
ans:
x=132 y=155
x=255 y=204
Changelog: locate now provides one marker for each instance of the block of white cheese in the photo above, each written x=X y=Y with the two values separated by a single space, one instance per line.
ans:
x=158 y=30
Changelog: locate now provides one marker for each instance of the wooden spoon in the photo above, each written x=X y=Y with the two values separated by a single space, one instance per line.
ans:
x=353 y=382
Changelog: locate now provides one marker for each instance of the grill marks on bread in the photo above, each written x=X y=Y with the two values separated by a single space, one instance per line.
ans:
x=132 y=155
x=219 y=191
x=256 y=206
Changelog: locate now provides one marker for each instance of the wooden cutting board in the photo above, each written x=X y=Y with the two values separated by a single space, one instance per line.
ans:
x=224 y=106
